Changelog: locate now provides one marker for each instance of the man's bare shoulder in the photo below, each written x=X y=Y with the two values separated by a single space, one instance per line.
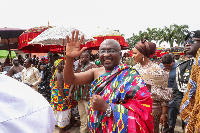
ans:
x=98 y=71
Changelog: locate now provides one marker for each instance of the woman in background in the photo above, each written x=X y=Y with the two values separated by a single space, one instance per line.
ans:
x=156 y=80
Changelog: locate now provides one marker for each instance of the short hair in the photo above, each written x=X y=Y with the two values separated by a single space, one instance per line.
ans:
x=167 y=59
x=111 y=41
x=154 y=57
x=30 y=60
x=86 y=52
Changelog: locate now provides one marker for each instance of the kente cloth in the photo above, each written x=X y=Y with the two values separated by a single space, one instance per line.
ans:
x=57 y=99
x=82 y=92
x=23 y=110
x=129 y=98
x=190 y=106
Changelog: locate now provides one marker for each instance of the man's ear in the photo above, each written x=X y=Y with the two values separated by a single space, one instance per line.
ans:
x=120 y=54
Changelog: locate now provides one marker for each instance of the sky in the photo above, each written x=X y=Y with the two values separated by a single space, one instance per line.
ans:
x=127 y=16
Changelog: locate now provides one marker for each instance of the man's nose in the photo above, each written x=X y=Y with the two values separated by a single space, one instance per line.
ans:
x=106 y=54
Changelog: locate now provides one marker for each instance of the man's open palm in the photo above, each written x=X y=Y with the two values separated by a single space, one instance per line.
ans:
x=73 y=46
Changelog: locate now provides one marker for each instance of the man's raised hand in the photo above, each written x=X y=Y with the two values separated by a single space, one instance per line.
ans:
x=73 y=46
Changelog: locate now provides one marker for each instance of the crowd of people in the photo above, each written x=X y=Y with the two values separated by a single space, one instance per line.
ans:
x=111 y=92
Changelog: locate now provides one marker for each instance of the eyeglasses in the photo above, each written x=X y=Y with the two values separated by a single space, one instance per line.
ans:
x=191 y=42
x=109 y=51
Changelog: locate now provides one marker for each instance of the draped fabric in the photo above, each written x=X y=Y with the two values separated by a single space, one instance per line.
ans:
x=190 y=106
x=129 y=98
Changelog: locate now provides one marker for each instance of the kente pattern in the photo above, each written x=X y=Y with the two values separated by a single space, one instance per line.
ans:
x=129 y=98
x=56 y=98
x=190 y=106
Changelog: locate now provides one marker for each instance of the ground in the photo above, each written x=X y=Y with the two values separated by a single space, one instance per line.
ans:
x=178 y=128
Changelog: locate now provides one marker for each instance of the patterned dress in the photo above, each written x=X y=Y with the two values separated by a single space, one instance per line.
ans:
x=190 y=106
x=129 y=98
x=63 y=114
x=156 y=80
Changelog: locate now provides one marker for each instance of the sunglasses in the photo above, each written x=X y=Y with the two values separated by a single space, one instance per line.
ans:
x=191 y=42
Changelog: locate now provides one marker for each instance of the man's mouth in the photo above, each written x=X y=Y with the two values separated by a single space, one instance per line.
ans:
x=107 y=61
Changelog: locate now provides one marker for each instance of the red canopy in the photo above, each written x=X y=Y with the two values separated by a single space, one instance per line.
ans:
x=28 y=36
x=94 y=45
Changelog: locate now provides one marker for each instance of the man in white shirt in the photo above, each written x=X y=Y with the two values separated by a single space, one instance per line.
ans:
x=30 y=75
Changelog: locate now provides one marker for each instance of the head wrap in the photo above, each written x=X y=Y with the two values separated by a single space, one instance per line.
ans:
x=146 y=48
x=57 y=62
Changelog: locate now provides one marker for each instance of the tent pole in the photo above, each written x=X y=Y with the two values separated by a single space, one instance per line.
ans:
x=64 y=48
x=9 y=50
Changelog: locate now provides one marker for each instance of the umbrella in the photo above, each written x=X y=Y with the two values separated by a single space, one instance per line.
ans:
x=37 y=48
x=29 y=35
x=9 y=36
x=4 y=54
x=57 y=36
x=101 y=35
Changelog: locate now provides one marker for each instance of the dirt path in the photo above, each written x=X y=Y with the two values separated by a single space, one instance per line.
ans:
x=178 y=128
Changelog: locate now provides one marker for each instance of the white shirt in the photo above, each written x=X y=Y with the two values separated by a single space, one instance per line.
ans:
x=23 y=110
x=31 y=76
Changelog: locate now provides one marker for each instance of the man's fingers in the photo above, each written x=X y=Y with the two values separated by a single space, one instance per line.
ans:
x=76 y=37
x=68 y=39
x=83 y=49
x=72 y=38
x=81 y=40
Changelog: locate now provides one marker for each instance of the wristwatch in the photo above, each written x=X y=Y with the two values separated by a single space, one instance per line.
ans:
x=166 y=115
x=109 y=111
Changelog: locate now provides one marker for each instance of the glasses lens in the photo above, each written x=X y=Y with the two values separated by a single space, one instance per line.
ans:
x=191 y=41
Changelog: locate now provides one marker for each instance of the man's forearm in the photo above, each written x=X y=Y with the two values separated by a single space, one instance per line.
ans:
x=68 y=70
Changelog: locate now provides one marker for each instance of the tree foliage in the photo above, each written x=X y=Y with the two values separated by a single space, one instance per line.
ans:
x=171 y=34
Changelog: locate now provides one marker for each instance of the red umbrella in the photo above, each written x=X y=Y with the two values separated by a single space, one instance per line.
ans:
x=37 y=48
x=106 y=34
x=29 y=35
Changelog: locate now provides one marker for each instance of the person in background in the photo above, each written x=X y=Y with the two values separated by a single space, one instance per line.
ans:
x=20 y=59
x=16 y=70
x=7 y=65
x=189 y=71
x=119 y=100
x=30 y=75
x=81 y=92
x=177 y=57
x=42 y=62
x=169 y=65
x=155 y=58
x=34 y=61
x=26 y=56
x=1 y=67
x=48 y=75
x=61 y=104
